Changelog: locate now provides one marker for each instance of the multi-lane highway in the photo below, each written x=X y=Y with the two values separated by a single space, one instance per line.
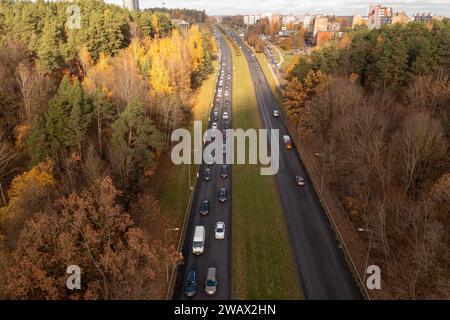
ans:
x=323 y=270
x=217 y=253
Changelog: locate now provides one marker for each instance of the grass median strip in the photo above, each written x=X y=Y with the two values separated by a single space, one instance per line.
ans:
x=263 y=264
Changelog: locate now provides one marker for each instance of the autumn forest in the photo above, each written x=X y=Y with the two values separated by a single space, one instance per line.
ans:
x=85 y=115
x=372 y=113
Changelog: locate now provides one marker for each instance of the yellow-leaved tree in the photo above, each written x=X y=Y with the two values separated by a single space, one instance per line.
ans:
x=85 y=59
x=179 y=64
x=195 y=47
x=155 y=26
x=28 y=192
x=98 y=75
x=159 y=77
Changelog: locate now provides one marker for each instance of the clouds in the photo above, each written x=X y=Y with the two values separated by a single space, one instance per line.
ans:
x=340 y=7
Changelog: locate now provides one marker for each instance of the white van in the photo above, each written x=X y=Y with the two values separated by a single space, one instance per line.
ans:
x=198 y=246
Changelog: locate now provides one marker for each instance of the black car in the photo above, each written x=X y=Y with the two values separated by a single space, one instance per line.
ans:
x=223 y=195
x=207 y=174
x=204 y=208
x=190 y=288
x=226 y=125
x=224 y=171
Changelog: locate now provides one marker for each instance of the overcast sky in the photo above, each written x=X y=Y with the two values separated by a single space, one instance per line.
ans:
x=339 y=7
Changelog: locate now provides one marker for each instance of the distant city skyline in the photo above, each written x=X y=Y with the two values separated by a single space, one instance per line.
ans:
x=338 y=7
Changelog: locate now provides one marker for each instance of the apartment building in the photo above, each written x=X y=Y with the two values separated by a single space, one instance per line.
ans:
x=379 y=16
x=320 y=24
x=132 y=5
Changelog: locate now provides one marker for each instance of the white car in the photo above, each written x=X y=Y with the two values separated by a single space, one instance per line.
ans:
x=276 y=113
x=300 y=180
x=227 y=93
x=225 y=116
x=210 y=160
x=220 y=230
x=214 y=126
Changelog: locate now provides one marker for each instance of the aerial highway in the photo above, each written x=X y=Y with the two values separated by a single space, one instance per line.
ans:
x=324 y=273
x=217 y=253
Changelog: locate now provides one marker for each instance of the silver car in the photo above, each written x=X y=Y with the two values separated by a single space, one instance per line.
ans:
x=219 y=232
x=211 y=282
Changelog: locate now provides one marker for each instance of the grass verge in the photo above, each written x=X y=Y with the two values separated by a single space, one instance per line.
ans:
x=172 y=182
x=263 y=263
x=262 y=59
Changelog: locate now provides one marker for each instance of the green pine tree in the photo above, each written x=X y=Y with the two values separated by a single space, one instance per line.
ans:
x=135 y=143
x=64 y=125
x=48 y=50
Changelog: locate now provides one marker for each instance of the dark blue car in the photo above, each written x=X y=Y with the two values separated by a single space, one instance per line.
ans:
x=190 y=287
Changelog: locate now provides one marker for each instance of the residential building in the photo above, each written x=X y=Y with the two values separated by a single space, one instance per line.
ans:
x=308 y=22
x=289 y=20
x=251 y=20
x=333 y=26
x=426 y=17
x=182 y=24
x=320 y=24
x=379 y=16
x=132 y=5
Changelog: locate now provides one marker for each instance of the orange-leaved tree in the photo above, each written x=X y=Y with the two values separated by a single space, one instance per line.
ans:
x=91 y=231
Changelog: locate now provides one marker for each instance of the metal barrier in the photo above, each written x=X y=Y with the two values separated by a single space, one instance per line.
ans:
x=187 y=215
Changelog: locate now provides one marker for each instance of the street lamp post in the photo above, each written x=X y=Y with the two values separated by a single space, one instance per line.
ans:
x=190 y=185
x=167 y=250
x=368 y=250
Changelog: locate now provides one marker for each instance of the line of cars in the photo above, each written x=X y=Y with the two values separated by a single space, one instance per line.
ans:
x=286 y=139
x=200 y=233
x=299 y=180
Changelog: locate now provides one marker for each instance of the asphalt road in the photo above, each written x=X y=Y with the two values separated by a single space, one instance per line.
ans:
x=323 y=271
x=217 y=252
